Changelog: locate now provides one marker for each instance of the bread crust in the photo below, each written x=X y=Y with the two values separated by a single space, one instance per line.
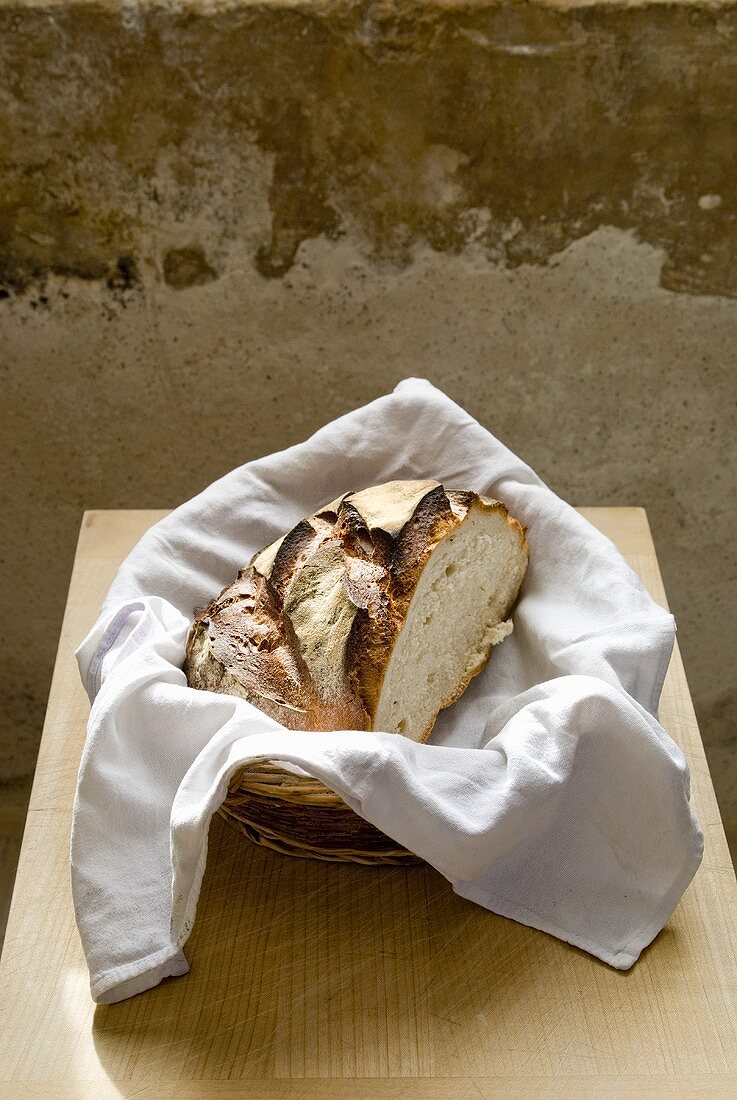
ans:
x=307 y=630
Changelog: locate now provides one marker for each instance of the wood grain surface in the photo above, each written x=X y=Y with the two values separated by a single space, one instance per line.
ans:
x=314 y=980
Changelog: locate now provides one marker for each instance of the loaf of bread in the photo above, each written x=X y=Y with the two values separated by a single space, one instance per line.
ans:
x=374 y=613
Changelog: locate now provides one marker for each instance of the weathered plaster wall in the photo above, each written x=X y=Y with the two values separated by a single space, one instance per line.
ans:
x=520 y=126
x=221 y=225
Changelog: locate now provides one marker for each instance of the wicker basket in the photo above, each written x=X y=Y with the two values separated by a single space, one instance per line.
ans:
x=300 y=816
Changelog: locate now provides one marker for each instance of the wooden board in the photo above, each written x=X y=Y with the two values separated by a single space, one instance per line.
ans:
x=316 y=980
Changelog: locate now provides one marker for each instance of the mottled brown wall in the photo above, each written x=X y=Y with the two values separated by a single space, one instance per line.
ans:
x=221 y=226
x=519 y=125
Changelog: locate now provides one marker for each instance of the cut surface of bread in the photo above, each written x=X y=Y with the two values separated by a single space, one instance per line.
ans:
x=374 y=613
x=457 y=613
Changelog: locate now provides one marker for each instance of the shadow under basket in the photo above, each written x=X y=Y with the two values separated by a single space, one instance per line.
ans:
x=300 y=816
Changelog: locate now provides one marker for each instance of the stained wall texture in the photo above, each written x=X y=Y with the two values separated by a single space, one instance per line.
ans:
x=222 y=224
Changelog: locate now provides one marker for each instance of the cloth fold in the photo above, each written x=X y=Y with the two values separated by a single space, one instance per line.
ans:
x=548 y=793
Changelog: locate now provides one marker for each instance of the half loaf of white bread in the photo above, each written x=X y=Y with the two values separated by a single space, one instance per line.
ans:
x=374 y=613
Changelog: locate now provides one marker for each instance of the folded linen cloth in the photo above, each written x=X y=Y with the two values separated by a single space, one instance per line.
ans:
x=549 y=792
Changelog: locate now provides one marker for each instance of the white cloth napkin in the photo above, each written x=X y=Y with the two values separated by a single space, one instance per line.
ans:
x=549 y=792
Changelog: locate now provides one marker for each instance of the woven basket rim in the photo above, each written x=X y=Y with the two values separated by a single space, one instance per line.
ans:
x=270 y=780
x=262 y=796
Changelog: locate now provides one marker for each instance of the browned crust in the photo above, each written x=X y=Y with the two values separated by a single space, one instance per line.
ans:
x=245 y=638
x=244 y=643
x=297 y=546
x=249 y=641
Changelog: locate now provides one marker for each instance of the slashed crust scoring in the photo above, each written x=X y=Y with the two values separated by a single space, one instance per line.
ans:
x=306 y=630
